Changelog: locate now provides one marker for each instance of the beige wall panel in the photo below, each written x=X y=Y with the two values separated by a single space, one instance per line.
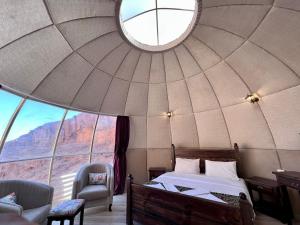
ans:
x=93 y=91
x=62 y=84
x=20 y=18
x=238 y=19
x=184 y=131
x=157 y=72
x=222 y=42
x=27 y=61
x=279 y=34
x=187 y=62
x=138 y=132
x=228 y=86
x=158 y=132
x=129 y=64
x=137 y=165
x=90 y=28
x=212 y=130
x=212 y=3
x=289 y=4
x=204 y=55
x=255 y=162
x=115 y=99
x=159 y=158
x=158 y=100
x=201 y=93
x=96 y=50
x=172 y=67
x=179 y=99
x=64 y=10
x=261 y=71
x=137 y=99
x=282 y=111
x=111 y=63
x=290 y=159
x=247 y=126
x=142 y=71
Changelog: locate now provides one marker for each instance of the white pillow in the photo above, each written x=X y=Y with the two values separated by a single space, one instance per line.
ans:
x=187 y=166
x=221 y=169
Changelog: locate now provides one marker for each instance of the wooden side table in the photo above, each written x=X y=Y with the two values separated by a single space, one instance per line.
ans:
x=271 y=198
x=156 y=171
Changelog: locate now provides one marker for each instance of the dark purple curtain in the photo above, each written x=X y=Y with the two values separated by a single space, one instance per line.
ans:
x=121 y=144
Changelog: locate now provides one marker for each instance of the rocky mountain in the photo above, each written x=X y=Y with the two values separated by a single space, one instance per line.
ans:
x=75 y=138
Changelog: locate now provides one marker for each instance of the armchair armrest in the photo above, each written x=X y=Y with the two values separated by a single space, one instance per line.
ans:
x=10 y=208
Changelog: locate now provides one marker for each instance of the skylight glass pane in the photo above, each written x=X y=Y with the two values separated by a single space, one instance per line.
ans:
x=177 y=4
x=172 y=24
x=33 y=132
x=8 y=105
x=130 y=8
x=76 y=134
x=143 y=28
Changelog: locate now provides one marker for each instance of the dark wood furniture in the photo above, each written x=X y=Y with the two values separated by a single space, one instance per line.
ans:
x=13 y=219
x=156 y=171
x=148 y=206
x=67 y=214
x=269 y=198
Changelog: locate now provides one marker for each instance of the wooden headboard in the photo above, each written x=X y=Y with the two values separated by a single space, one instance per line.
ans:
x=223 y=155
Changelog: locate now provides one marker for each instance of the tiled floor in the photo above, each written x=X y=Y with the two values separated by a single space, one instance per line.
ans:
x=98 y=216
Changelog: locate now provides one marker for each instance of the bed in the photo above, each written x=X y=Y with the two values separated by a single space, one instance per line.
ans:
x=149 y=205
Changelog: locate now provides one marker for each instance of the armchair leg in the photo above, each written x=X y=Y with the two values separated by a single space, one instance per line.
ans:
x=109 y=207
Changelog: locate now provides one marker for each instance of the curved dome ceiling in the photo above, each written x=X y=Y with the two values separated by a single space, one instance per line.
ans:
x=71 y=53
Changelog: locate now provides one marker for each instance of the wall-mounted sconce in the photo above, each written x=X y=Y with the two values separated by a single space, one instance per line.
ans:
x=169 y=114
x=252 y=98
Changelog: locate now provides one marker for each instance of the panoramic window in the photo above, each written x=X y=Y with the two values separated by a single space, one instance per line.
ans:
x=33 y=133
x=157 y=25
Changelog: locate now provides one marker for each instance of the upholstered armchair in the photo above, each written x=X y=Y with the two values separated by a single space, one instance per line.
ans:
x=34 y=199
x=94 y=195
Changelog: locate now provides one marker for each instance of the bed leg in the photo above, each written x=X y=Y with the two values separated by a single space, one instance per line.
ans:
x=129 y=201
x=246 y=211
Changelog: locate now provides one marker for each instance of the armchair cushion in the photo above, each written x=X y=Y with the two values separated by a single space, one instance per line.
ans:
x=93 y=192
x=97 y=178
x=10 y=198
x=11 y=208
x=37 y=215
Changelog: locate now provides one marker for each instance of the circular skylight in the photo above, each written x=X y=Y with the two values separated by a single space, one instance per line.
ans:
x=157 y=25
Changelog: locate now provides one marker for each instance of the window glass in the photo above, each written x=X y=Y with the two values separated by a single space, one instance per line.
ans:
x=172 y=23
x=63 y=173
x=177 y=4
x=143 y=28
x=8 y=105
x=130 y=8
x=76 y=134
x=36 y=170
x=33 y=133
x=104 y=141
x=103 y=158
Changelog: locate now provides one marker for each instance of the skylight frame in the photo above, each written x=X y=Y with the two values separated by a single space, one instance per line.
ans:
x=157 y=48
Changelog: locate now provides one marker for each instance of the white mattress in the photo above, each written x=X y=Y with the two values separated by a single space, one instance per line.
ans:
x=203 y=185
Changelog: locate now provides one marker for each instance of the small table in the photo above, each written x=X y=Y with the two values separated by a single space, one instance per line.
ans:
x=156 y=171
x=67 y=210
x=271 y=198
x=13 y=219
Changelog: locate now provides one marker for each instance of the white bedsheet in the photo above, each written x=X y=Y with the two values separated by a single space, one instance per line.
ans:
x=205 y=184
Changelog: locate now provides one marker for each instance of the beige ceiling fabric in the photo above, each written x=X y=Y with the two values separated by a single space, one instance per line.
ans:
x=71 y=53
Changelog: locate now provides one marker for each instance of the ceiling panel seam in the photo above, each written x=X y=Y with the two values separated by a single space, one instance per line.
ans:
x=234 y=4
x=100 y=107
x=189 y=95
x=83 y=18
x=228 y=133
x=92 y=71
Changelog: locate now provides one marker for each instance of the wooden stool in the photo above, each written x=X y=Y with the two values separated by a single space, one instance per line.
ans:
x=67 y=211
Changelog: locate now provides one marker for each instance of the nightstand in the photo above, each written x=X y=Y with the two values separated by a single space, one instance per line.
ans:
x=268 y=197
x=156 y=171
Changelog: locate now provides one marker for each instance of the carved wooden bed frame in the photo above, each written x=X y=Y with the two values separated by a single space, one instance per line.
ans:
x=151 y=206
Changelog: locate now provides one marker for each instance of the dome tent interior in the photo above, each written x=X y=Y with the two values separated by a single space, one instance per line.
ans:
x=67 y=69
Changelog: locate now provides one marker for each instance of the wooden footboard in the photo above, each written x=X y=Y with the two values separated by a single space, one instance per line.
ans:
x=151 y=206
